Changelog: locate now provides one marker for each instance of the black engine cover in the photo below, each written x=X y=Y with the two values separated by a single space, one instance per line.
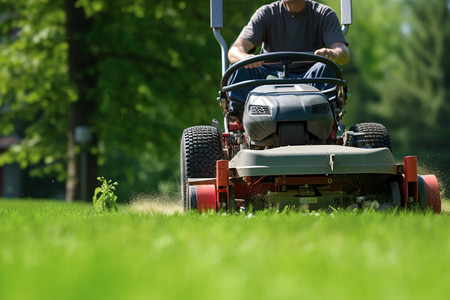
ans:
x=279 y=115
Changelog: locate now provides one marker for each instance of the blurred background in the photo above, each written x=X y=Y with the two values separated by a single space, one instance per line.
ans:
x=94 y=88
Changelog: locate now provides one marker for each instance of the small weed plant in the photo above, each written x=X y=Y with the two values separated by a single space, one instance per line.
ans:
x=104 y=198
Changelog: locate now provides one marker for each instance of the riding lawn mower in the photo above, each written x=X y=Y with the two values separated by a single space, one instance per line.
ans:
x=289 y=149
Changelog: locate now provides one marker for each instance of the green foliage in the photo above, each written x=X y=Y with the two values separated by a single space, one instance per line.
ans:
x=374 y=45
x=416 y=92
x=104 y=198
x=34 y=85
x=156 y=76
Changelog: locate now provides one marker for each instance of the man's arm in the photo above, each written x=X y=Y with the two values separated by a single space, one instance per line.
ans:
x=338 y=52
x=240 y=50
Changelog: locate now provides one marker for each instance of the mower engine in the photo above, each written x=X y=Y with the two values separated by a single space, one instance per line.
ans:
x=287 y=115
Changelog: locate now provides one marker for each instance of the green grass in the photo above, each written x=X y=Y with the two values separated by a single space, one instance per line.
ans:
x=53 y=250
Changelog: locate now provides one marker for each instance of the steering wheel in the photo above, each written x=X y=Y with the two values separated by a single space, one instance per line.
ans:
x=286 y=59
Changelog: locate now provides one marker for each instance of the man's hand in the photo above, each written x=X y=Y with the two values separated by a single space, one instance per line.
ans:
x=328 y=53
x=239 y=51
x=255 y=64
x=338 y=53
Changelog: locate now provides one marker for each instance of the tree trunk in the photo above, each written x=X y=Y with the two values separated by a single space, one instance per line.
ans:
x=81 y=63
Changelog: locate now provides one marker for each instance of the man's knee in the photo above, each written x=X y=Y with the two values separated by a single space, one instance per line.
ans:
x=236 y=107
x=320 y=70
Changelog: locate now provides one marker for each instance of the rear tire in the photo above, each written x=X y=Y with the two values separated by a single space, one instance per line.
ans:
x=429 y=194
x=199 y=150
x=375 y=135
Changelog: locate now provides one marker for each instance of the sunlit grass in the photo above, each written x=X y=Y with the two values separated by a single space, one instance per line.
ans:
x=54 y=250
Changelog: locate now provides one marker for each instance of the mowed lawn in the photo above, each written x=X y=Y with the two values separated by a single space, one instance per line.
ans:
x=54 y=250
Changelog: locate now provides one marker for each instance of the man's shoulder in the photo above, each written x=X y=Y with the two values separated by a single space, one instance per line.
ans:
x=319 y=7
x=274 y=4
x=272 y=7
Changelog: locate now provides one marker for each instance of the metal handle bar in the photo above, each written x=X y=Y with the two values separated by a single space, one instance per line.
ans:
x=277 y=57
x=258 y=82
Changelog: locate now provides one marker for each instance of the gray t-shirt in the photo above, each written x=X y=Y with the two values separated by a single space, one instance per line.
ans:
x=276 y=29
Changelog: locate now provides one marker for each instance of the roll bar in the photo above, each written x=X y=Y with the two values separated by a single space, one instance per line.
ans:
x=216 y=25
x=346 y=15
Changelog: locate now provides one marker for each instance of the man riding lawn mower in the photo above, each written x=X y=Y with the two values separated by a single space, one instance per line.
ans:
x=283 y=143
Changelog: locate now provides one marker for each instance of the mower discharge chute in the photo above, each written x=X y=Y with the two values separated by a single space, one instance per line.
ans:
x=289 y=148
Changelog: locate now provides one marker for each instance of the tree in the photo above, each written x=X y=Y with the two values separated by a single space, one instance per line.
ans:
x=415 y=97
x=374 y=44
x=137 y=73
x=81 y=63
x=34 y=87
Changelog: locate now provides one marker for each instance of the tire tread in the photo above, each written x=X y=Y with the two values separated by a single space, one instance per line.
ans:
x=375 y=134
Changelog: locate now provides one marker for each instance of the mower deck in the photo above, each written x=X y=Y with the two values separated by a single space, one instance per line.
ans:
x=313 y=160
